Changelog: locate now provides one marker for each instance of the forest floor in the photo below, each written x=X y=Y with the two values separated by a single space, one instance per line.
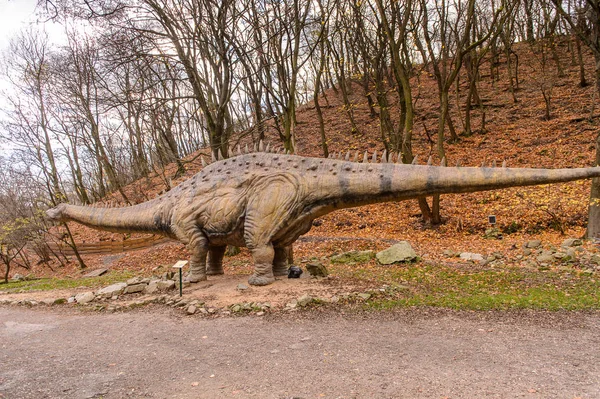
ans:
x=514 y=131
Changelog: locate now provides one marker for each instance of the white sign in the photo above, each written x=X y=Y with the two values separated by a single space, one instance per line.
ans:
x=180 y=264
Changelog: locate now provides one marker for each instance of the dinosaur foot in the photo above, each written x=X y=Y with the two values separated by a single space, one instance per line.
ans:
x=214 y=272
x=194 y=278
x=260 y=280
x=280 y=270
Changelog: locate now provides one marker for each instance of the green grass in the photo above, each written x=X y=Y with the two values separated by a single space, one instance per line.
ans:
x=47 y=284
x=483 y=289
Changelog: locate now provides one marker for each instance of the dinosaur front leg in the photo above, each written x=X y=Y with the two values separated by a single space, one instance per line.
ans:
x=198 y=247
x=214 y=265
x=280 y=261
x=263 y=265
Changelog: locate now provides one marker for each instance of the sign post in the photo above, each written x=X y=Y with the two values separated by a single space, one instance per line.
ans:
x=179 y=265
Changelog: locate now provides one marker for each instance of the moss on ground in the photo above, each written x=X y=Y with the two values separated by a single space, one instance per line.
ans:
x=47 y=284
x=460 y=287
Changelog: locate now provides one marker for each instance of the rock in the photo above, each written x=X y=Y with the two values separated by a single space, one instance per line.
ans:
x=85 y=297
x=134 y=281
x=261 y=313
x=527 y=252
x=165 y=285
x=242 y=287
x=168 y=275
x=236 y=308
x=48 y=302
x=546 y=257
x=493 y=233
x=152 y=287
x=191 y=309
x=401 y=252
x=450 y=253
x=112 y=290
x=304 y=300
x=560 y=255
x=364 y=295
x=353 y=257
x=533 y=244
x=18 y=277
x=131 y=289
x=96 y=273
x=317 y=269
x=471 y=256
x=572 y=242
x=595 y=259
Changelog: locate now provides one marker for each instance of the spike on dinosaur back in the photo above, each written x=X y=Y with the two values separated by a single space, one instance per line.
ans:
x=268 y=148
x=399 y=159
x=443 y=163
x=212 y=157
x=494 y=163
x=219 y=155
x=356 y=155
x=415 y=160
x=384 y=157
x=239 y=150
x=504 y=163
x=366 y=157
x=430 y=161
x=347 y=156
x=203 y=161
x=374 y=158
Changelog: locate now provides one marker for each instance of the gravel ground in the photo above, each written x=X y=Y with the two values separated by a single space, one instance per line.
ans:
x=156 y=353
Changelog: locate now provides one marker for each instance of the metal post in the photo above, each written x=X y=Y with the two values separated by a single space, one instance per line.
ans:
x=179 y=265
x=180 y=281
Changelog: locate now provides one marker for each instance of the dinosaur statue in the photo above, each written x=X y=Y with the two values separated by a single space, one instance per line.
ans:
x=265 y=201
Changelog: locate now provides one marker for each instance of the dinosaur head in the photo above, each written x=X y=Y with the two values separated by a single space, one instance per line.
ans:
x=57 y=213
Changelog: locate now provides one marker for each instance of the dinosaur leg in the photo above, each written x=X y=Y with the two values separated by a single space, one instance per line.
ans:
x=198 y=247
x=280 y=261
x=214 y=265
x=263 y=265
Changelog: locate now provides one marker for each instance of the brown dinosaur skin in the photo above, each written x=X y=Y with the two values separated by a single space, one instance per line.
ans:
x=265 y=201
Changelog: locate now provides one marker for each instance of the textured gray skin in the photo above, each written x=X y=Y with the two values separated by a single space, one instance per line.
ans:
x=265 y=201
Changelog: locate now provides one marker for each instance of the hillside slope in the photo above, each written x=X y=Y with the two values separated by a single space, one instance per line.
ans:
x=516 y=132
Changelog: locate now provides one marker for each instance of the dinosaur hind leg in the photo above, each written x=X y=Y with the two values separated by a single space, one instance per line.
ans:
x=214 y=265
x=263 y=265
x=198 y=247
x=280 y=261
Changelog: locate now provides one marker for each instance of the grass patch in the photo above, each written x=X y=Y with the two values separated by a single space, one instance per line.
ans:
x=47 y=284
x=482 y=289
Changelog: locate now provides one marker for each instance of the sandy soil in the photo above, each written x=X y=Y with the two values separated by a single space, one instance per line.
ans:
x=153 y=353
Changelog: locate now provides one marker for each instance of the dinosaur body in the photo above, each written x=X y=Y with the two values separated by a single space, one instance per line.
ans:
x=265 y=201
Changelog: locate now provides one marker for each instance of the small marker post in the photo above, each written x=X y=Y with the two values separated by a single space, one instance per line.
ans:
x=179 y=265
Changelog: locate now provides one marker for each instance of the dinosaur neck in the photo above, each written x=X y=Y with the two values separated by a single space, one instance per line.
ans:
x=142 y=218
x=359 y=184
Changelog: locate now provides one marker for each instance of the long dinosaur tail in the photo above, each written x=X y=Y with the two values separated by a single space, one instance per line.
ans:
x=142 y=218
x=441 y=180
x=360 y=184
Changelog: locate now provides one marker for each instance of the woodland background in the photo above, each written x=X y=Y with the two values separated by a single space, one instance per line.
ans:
x=141 y=89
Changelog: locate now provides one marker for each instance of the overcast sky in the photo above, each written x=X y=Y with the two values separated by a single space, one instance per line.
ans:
x=16 y=15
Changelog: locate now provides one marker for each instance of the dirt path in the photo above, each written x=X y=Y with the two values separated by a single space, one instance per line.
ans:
x=414 y=354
